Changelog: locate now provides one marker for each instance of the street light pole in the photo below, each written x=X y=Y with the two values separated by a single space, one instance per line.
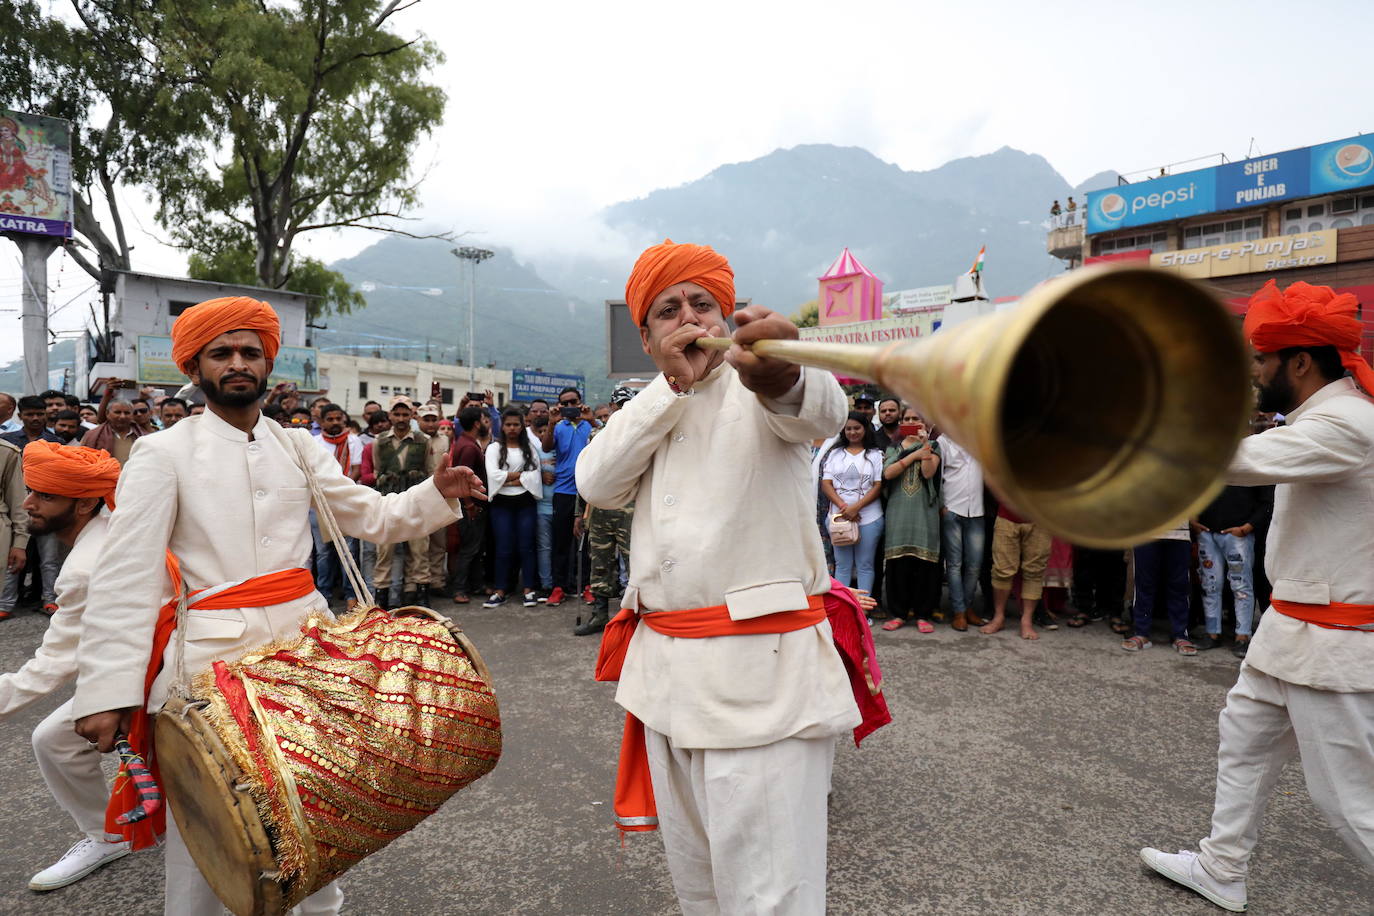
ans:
x=475 y=256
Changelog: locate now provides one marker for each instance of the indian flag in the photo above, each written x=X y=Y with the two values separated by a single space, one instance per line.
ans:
x=977 y=267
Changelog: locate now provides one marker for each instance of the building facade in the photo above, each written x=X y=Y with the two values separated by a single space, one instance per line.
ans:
x=352 y=381
x=1305 y=214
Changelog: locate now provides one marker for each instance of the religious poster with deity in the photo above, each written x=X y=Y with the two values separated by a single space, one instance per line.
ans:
x=35 y=174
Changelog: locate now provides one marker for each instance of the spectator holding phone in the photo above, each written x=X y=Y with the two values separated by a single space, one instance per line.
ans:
x=566 y=439
x=911 y=524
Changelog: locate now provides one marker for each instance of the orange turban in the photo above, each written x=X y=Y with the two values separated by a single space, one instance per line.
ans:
x=663 y=265
x=70 y=470
x=1308 y=316
x=200 y=324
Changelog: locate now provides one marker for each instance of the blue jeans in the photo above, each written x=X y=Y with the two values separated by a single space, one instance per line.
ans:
x=963 y=540
x=513 y=521
x=328 y=570
x=1233 y=556
x=858 y=558
x=543 y=545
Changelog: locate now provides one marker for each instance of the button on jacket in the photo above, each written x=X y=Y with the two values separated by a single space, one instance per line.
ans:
x=725 y=514
x=1321 y=539
x=194 y=489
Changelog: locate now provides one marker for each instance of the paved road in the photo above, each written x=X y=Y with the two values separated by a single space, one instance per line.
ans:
x=1017 y=778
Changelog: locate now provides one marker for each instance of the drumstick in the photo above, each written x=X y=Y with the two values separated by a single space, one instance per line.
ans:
x=149 y=795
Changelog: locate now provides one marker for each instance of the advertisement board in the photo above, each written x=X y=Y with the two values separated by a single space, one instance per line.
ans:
x=1329 y=168
x=35 y=174
x=293 y=364
x=1284 y=252
x=527 y=384
x=923 y=297
x=884 y=330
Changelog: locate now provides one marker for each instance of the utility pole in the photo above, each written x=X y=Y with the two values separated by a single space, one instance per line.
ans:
x=35 y=250
x=475 y=256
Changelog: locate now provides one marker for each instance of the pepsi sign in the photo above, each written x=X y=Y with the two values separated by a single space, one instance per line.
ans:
x=1167 y=198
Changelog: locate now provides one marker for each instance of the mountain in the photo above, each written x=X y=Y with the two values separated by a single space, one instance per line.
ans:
x=61 y=355
x=782 y=218
x=417 y=306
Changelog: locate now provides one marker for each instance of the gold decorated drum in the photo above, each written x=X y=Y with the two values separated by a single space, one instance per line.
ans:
x=288 y=766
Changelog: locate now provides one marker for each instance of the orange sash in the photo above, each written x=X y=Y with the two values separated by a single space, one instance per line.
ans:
x=634 y=790
x=1333 y=616
x=259 y=591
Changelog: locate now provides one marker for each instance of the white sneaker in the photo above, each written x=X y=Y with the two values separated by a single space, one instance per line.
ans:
x=82 y=859
x=1184 y=868
x=531 y=599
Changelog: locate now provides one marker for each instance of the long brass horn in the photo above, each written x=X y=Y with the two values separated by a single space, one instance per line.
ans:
x=1105 y=405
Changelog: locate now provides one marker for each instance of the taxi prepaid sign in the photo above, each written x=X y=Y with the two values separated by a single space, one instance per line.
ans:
x=528 y=384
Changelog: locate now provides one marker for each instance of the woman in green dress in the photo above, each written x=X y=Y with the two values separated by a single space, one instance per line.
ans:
x=911 y=557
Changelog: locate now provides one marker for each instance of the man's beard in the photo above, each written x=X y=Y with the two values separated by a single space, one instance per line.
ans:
x=216 y=395
x=1277 y=396
x=55 y=525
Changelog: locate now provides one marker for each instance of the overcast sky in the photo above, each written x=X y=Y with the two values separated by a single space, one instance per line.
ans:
x=557 y=110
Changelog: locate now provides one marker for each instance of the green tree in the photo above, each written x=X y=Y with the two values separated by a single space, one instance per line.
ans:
x=809 y=315
x=321 y=108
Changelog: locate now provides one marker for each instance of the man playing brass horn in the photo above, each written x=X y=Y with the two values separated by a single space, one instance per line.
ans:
x=733 y=685
x=225 y=494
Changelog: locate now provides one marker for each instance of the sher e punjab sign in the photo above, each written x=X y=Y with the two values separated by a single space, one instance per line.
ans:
x=1258 y=256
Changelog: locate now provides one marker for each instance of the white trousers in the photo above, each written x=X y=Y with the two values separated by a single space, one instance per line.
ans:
x=71 y=768
x=744 y=829
x=1265 y=724
x=188 y=893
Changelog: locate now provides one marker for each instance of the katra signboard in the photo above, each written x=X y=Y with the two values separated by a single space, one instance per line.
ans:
x=35 y=174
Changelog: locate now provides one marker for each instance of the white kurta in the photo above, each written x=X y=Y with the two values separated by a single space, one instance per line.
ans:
x=1305 y=690
x=229 y=508
x=69 y=765
x=54 y=662
x=1321 y=540
x=724 y=514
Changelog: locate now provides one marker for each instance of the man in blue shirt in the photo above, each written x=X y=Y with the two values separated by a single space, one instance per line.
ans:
x=565 y=439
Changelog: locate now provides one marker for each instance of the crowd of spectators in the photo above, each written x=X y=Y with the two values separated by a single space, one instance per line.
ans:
x=905 y=515
x=902 y=510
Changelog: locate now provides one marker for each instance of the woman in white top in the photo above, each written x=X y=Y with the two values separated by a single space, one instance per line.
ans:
x=852 y=479
x=515 y=485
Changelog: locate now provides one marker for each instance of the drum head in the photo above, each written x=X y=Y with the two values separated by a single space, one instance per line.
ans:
x=220 y=824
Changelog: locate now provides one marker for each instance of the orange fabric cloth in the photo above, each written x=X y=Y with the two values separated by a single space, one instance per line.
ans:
x=663 y=265
x=341 y=453
x=70 y=470
x=1333 y=616
x=1304 y=315
x=260 y=591
x=635 y=808
x=200 y=324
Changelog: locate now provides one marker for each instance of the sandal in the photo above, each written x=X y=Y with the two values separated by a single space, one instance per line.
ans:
x=896 y=623
x=1120 y=626
x=1076 y=621
x=1185 y=647
x=1135 y=644
x=925 y=626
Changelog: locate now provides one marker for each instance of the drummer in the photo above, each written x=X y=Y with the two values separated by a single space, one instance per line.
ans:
x=68 y=488
x=223 y=492
x=740 y=715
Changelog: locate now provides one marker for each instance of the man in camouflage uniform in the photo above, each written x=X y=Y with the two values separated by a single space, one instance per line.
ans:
x=608 y=531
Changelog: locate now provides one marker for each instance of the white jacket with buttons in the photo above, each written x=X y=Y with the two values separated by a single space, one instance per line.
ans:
x=724 y=514
x=230 y=508
x=1321 y=540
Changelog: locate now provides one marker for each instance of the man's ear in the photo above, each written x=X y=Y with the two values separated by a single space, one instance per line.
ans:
x=88 y=505
x=644 y=339
x=270 y=363
x=193 y=373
